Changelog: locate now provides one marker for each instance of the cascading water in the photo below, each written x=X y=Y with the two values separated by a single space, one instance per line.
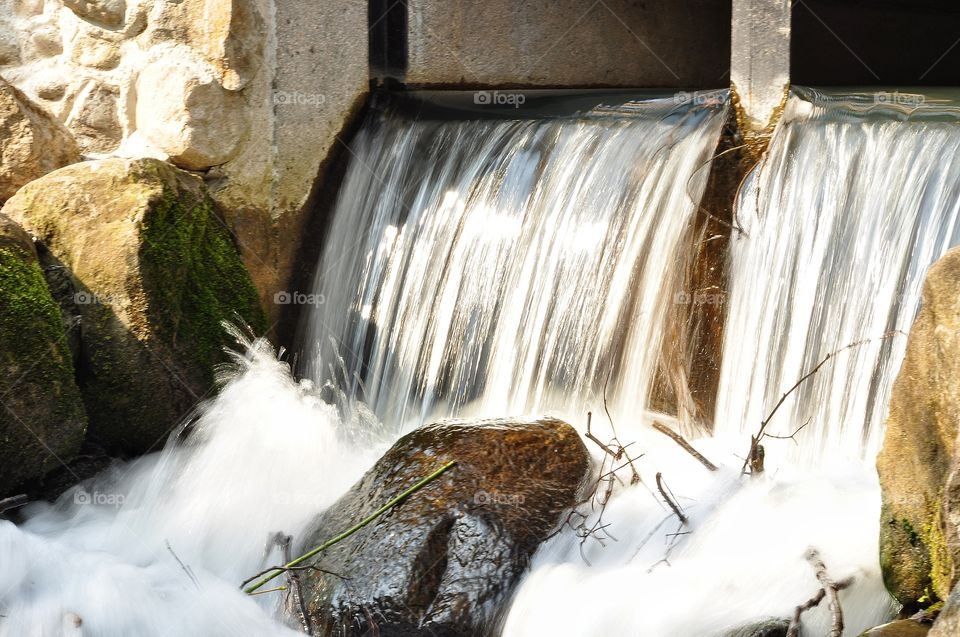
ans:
x=515 y=266
x=507 y=267
x=840 y=221
x=853 y=202
x=159 y=547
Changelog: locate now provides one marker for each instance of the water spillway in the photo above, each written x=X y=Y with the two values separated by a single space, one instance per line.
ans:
x=856 y=197
x=512 y=263
x=505 y=266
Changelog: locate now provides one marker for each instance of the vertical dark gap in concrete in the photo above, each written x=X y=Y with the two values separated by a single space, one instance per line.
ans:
x=388 y=42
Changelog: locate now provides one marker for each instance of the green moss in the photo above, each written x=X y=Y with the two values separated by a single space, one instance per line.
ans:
x=37 y=373
x=941 y=563
x=194 y=278
x=912 y=536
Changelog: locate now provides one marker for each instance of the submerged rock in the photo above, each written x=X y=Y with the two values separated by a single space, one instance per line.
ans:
x=444 y=561
x=32 y=143
x=772 y=627
x=917 y=466
x=156 y=273
x=42 y=420
x=764 y=628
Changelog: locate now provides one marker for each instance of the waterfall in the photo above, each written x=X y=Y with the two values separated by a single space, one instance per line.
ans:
x=510 y=266
x=854 y=200
x=506 y=265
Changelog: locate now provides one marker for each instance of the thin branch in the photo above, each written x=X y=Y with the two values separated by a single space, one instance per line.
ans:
x=356 y=527
x=186 y=569
x=294 y=585
x=680 y=440
x=830 y=588
x=596 y=440
x=290 y=569
x=794 y=629
x=673 y=505
x=755 y=457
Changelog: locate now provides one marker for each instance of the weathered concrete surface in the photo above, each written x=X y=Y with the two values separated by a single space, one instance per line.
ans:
x=318 y=80
x=760 y=61
x=569 y=43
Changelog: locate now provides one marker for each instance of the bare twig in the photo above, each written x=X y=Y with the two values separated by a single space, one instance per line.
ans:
x=813 y=556
x=295 y=596
x=596 y=440
x=830 y=590
x=186 y=569
x=614 y=452
x=666 y=496
x=680 y=440
x=754 y=458
x=289 y=569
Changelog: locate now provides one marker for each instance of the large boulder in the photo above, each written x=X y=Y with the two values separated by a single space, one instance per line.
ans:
x=184 y=111
x=442 y=562
x=156 y=273
x=917 y=466
x=42 y=420
x=32 y=143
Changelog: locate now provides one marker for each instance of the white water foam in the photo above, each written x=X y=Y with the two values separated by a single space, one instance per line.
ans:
x=160 y=546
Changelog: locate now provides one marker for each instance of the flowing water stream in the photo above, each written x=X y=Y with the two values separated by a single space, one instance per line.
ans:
x=527 y=266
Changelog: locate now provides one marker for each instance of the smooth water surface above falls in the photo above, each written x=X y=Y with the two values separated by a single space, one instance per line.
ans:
x=500 y=267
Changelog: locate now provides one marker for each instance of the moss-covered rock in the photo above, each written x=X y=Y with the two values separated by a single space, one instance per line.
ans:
x=156 y=273
x=42 y=420
x=917 y=466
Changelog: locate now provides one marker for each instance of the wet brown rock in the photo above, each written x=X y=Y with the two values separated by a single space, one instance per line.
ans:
x=442 y=562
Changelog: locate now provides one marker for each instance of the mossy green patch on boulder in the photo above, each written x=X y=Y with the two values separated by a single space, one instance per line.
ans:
x=156 y=274
x=42 y=420
x=919 y=544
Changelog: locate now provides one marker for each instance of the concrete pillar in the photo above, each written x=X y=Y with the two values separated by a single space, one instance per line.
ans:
x=760 y=61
